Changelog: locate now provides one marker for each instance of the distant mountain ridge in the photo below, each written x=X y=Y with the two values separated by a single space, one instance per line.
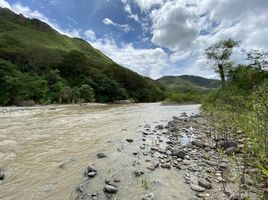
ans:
x=187 y=83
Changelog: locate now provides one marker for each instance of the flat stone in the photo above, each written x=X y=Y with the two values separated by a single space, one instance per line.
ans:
x=116 y=179
x=159 y=127
x=142 y=147
x=179 y=153
x=204 y=183
x=198 y=144
x=110 y=189
x=92 y=174
x=151 y=167
x=148 y=197
x=101 y=155
x=197 y=188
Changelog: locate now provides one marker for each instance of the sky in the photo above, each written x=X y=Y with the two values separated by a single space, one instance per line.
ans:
x=156 y=37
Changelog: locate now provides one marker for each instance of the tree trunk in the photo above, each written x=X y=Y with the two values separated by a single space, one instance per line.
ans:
x=222 y=75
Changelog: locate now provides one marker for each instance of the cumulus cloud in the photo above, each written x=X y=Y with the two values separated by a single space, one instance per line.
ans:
x=148 y=4
x=174 y=27
x=123 y=27
x=191 y=26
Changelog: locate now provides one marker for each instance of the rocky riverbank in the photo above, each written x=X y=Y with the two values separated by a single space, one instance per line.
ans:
x=184 y=146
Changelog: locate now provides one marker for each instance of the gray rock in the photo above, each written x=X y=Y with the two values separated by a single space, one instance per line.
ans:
x=138 y=173
x=148 y=197
x=61 y=166
x=110 y=189
x=204 y=183
x=101 y=155
x=197 y=188
x=92 y=174
x=166 y=165
x=198 y=144
x=231 y=150
x=147 y=126
x=129 y=140
x=91 y=171
x=159 y=127
x=227 y=144
x=168 y=152
x=178 y=153
x=223 y=165
x=151 y=167
x=142 y=147
x=117 y=180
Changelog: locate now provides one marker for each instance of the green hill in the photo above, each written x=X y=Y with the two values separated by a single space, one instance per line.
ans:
x=37 y=63
x=188 y=83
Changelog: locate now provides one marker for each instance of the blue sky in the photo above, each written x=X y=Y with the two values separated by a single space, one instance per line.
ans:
x=155 y=37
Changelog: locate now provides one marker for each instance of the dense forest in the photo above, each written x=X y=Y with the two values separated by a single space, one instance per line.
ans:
x=39 y=65
x=239 y=110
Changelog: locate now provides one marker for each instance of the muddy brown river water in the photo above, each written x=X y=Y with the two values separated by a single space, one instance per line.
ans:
x=44 y=151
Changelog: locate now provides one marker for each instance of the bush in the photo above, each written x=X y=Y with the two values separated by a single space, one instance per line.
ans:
x=86 y=93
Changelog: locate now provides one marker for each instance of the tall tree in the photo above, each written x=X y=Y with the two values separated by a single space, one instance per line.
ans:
x=219 y=55
x=258 y=58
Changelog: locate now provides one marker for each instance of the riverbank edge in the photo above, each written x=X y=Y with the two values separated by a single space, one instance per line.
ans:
x=211 y=169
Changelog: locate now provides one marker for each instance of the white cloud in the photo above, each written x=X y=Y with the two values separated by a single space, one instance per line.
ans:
x=179 y=55
x=4 y=4
x=177 y=25
x=174 y=27
x=123 y=27
x=148 y=4
x=90 y=35
x=127 y=8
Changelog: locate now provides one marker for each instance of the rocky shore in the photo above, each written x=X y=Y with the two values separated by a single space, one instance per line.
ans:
x=184 y=145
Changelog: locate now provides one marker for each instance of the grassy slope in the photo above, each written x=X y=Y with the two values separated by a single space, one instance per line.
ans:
x=187 y=83
x=27 y=34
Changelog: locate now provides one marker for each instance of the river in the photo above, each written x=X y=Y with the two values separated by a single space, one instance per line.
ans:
x=34 y=143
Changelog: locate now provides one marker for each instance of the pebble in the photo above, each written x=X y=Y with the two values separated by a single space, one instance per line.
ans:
x=204 y=183
x=101 y=155
x=138 y=173
x=110 y=188
x=92 y=174
x=148 y=197
x=197 y=188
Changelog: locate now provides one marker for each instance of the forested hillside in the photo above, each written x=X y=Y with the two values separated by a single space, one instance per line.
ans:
x=187 y=83
x=39 y=64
